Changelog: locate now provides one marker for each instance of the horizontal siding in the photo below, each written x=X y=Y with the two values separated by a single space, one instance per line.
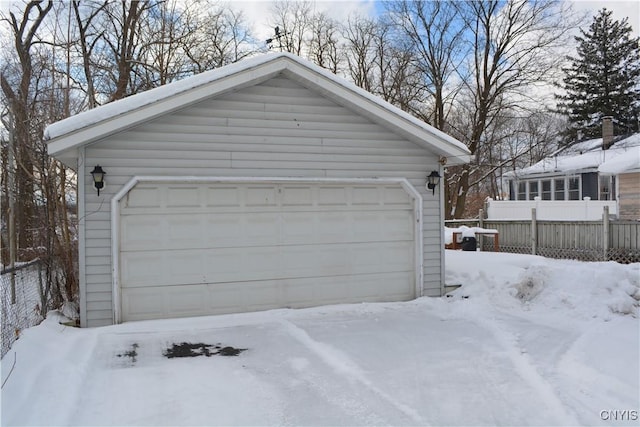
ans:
x=100 y=296
x=172 y=140
x=97 y=318
x=261 y=131
x=98 y=305
x=629 y=196
x=273 y=161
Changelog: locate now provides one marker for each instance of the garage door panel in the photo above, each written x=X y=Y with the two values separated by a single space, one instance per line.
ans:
x=385 y=226
x=223 y=298
x=140 y=304
x=397 y=197
x=332 y=196
x=143 y=196
x=263 y=263
x=200 y=231
x=188 y=300
x=140 y=268
x=182 y=229
x=224 y=196
x=197 y=249
x=260 y=196
x=297 y=195
x=399 y=226
x=182 y=197
x=366 y=195
x=136 y=232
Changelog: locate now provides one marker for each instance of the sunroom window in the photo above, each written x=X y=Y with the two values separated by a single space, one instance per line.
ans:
x=607 y=187
x=522 y=190
x=546 y=189
x=574 y=188
x=533 y=189
x=558 y=189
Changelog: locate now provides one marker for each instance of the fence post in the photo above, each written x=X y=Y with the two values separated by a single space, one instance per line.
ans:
x=481 y=225
x=534 y=232
x=605 y=233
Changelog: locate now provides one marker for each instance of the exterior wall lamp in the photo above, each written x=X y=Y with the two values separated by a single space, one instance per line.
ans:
x=433 y=179
x=98 y=177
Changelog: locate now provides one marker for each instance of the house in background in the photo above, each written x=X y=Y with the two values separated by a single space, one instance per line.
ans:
x=576 y=183
x=626 y=170
x=264 y=184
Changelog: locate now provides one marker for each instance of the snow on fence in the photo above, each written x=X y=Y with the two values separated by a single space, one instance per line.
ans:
x=602 y=240
x=21 y=306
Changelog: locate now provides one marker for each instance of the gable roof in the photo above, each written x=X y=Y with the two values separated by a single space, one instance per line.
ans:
x=621 y=157
x=66 y=136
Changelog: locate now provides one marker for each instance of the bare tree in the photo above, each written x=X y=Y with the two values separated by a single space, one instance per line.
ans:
x=164 y=34
x=221 y=37
x=39 y=99
x=123 y=40
x=292 y=22
x=435 y=33
x=513 y=46
x=89 y=35
x=324 y=46
x=16 y=89
x=359 y=35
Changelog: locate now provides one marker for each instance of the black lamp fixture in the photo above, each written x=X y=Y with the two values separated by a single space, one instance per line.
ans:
x=98 y=177
x=433 y=179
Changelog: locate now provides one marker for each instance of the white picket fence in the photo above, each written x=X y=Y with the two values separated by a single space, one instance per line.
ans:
x=550 y=210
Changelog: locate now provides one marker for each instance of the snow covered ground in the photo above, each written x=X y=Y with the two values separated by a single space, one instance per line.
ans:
x=524 y=341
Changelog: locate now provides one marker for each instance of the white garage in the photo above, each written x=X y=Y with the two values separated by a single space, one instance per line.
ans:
x=200 y=248
x=268 y=183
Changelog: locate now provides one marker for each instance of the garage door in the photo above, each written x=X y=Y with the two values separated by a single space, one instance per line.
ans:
x=197 y=249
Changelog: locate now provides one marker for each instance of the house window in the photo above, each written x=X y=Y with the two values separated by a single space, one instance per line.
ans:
x=533 y=189
x=559 y=189
x=546 y=189
x=607 y=187
x=522 y=191
x=574 y=188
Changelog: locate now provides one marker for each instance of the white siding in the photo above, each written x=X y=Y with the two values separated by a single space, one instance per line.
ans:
x=275 y=129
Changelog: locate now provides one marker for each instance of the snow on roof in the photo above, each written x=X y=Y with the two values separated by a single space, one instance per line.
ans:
x=626 y=162
x=118 y=113
x=588 y=155
x=125 y=105
x=582 y=146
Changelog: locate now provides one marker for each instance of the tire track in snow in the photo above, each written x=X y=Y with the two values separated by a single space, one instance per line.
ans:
x=344 y=365
x=527 y=370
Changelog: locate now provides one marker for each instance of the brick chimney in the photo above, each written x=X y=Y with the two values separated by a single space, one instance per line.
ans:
x=607 y=132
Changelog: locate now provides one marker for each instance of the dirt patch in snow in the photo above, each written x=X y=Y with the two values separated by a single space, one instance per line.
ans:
x=131 y=354
x=186 y=349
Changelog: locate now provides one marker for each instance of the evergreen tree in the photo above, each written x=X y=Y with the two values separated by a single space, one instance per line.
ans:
x=603 y=80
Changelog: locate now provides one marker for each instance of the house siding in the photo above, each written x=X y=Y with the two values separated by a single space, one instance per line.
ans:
x=629 y=196
x=275 y=129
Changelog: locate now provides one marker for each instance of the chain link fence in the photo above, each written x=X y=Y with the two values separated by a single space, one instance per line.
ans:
x=21 y=295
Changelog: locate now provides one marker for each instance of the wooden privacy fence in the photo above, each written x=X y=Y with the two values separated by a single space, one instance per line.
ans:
x=603 y=240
